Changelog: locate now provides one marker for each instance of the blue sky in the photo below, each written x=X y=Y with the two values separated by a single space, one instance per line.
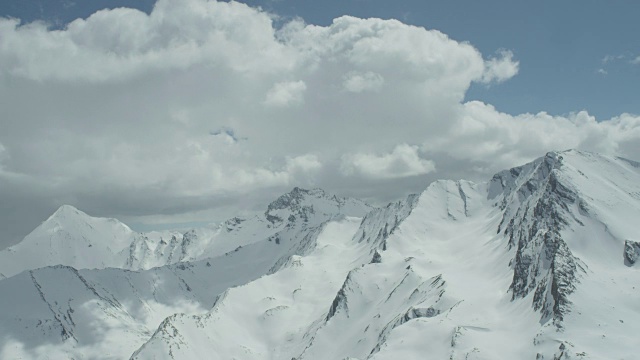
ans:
x=574 y=55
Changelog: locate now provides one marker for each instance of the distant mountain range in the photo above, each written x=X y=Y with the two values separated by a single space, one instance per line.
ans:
x=539 y=262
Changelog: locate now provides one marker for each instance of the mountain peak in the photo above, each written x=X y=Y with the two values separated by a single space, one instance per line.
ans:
x=68 y=237
x=295 y=197
x=303 y=203
x=67 y=213
x=67 y=210
x=77 y=223
x=527 y=177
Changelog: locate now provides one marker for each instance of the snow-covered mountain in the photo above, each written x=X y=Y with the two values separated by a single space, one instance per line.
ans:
x=68 y=237
x=71 y=237
x=539 y=262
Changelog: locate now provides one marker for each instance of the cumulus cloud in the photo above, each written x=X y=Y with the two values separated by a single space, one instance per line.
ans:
x=484 y=135
x=295 y=169
x=358 y=82
x=500 y=68
x=120 y=43
x=284 y=94
x=403 y=161
x=130 y=114
x=306 y=164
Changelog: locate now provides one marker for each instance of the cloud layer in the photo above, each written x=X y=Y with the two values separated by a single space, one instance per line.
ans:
x=403 y=161
x=121 y=113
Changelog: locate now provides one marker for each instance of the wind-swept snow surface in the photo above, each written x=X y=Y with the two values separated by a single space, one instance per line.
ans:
x=540 y=262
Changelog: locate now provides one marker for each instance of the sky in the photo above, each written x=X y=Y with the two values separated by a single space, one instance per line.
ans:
x=189 y=111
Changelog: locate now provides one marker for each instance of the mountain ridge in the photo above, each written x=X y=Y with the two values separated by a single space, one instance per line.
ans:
x=70 y=229
x=539 y=261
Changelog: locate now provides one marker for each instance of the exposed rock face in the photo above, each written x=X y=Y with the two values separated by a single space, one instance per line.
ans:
x=631 y=252
x=303 y=204
x=340 y=301
x=380 y=223
x=537 y=207
x=293 y=202
x=377 y=258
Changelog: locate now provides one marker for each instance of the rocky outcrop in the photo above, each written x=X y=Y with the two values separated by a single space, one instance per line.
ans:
x=377 y=225
x=302 y=204
x=537 y=206
x=631 y=252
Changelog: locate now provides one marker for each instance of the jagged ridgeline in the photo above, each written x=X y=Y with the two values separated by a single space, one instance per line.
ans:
x=539 y=262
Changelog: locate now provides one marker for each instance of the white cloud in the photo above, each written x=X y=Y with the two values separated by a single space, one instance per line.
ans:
x=609 y=58
x=501 y=68
x=304 y=164
x=119 y=109
x=484 y=135
x=403 y=161
x=636 y=61
x=120 y=43
x=602 y=71
x=358 y=82
x=285 y=94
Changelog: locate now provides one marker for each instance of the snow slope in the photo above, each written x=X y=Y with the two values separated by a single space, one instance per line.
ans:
x=61 y=312
x=68 y=237
x=532 y=264
x=539 y=262
x=73 y=238
x=300 y=209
